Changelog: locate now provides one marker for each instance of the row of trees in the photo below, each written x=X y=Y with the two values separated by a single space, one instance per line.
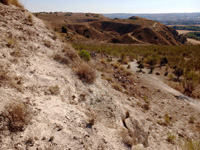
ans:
x=152 y=61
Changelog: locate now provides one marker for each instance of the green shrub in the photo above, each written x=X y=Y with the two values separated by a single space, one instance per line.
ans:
x=190 y=82
x=167 y=119
x=85 y=55
x=163 y=61
x=171 y=138
x=152 y=61
x=178 y=72
x=64 y=29
x=140 y=66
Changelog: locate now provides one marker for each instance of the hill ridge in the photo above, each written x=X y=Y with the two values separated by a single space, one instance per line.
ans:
x=114 y=31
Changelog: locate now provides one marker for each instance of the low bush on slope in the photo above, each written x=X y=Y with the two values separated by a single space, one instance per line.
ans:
x=85 y=73
x=15 y=117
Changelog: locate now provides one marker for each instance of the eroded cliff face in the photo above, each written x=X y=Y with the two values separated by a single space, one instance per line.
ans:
x=62 y=112
x=45 y=106
x=55 y=97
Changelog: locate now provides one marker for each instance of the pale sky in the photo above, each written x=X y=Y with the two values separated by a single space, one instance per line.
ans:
x=114 y=6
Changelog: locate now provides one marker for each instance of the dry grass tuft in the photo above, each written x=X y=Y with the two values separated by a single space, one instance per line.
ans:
x=10 y=43
x=47 y=43
x=191 y=145
x=70 y=53
x=12 y=2
x=166 y=122
x=109 y=79
x=167 y=119
x=85 y=73
x=54 y=90
x=67 y=53
x=117 y=87
x=192 y=119
x=3 y=76
x=30 y=19
x=16 y=115
x=171 y=138
x=7 y=79
x=61 y=59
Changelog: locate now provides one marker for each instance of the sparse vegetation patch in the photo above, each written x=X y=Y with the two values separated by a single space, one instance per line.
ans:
x=12 y=2
x=194 y=35
x=184 y=60
x=191 y=145
x=85 y=73
x=171 y=138
x=16 y=116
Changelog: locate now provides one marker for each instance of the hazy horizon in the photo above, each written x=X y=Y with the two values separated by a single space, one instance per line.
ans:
x=114 y=6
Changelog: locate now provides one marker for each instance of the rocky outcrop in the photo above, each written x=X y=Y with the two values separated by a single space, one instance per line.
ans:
x=136 y=130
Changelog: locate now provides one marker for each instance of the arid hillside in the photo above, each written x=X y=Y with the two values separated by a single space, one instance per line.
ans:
x=68 y=17
x=94 y=27
x=53 y=98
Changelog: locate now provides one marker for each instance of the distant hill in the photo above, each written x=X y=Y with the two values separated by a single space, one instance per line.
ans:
x=165 y=18
x=97 y=28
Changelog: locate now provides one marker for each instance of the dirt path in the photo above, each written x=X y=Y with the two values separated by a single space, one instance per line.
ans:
x=155 y=81
x=134 y=38
x=155 y=25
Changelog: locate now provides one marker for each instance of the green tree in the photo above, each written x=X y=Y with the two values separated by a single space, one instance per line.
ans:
x=190 y=82
x=178 y=72
x=140 y=66
x=163 y=61
x=64 y=29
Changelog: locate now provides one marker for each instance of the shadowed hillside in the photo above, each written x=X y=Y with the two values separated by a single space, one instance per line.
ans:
x=128 y=31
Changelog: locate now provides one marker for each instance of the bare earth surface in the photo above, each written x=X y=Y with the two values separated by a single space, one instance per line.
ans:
x=191 y=41
x=154 y=80
x=183 y=31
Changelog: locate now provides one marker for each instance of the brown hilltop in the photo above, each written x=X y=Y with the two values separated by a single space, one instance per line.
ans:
x=134 y=30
